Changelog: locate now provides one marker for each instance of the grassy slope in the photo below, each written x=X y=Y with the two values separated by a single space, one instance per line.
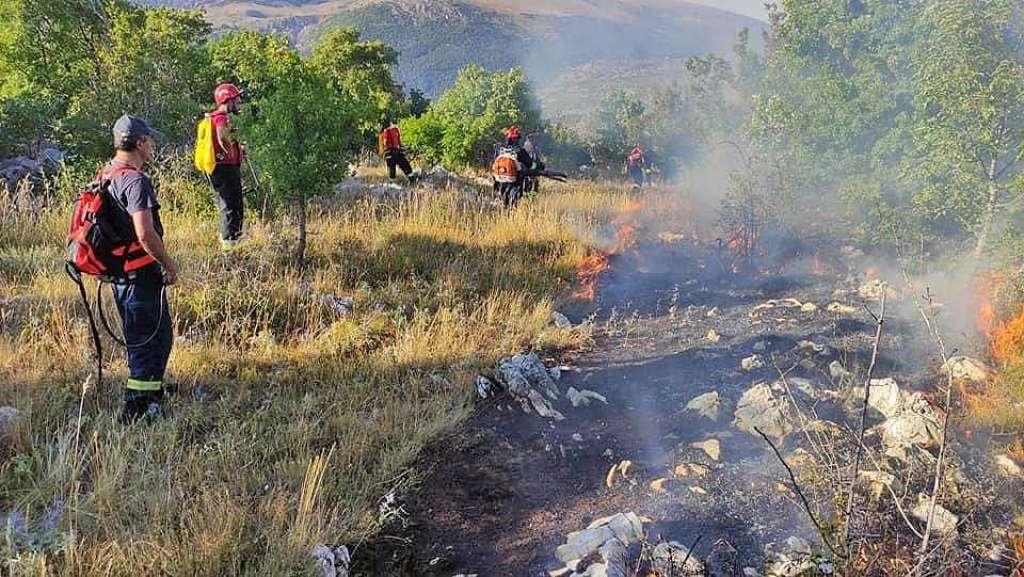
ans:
x=229 y=485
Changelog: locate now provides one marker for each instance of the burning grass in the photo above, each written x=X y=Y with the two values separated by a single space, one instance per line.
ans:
x=1000 y=321
x=293 y=418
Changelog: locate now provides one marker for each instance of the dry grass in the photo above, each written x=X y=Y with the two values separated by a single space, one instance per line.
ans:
x=293 y=420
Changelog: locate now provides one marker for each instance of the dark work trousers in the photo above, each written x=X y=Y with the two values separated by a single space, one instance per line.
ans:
x=227 y=183
x=396 y=158
x=636 y=172
x=146 y=324
x=511 y=192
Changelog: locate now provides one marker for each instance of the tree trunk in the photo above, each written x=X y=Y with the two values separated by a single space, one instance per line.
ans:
x=990 y=212
x=300 y=253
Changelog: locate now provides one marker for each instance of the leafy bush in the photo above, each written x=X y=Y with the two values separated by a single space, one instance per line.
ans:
x=462 y=127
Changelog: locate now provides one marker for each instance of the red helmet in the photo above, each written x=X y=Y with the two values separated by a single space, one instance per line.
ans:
x=512 y=133
x=226 y=93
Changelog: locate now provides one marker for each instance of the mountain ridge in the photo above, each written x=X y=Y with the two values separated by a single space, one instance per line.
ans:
x=437 y=38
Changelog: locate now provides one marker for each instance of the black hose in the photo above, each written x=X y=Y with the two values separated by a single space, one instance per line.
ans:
x=76 y=277
x=110 y=331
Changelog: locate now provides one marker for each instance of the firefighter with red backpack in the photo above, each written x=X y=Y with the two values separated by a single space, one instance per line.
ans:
x=226 y=178
x=116 y=236
x=389 y=145
x=513 y=166
x=635 y=164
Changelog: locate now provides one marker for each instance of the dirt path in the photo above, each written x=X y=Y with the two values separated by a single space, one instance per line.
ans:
x=505 y=489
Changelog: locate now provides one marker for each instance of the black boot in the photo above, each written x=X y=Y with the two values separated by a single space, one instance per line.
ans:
x=141 y=404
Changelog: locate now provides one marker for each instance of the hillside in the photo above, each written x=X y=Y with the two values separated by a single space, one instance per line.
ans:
x=439 y=37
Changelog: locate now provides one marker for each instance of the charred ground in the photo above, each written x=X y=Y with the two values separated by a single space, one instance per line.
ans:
x=672 y=321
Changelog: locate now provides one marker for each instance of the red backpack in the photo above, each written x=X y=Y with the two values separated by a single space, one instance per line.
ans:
x=505 y=168
x=101 y=240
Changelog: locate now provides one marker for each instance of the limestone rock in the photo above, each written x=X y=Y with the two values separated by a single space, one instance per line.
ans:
x=667 y=559
x=331 y=563
x=885 y=397
x=707 y=405
x=484 y=387
x=624 y=527
x=561 y=321
x=967 y=369
x=712 y=447
x=943 y=521
x=752 y=363
x=1008 y=466
x=840 y=309
x=9 y=420
x=526 y=378
x=915 y=425
x=759 y=408
x=838 y=372
x=874 y=289
x=582 y=398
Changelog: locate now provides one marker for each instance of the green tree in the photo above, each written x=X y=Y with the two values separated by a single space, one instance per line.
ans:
x=462 y=127
x=360 y=71
x=302 y=138
x=968 y=114
x=94 y=61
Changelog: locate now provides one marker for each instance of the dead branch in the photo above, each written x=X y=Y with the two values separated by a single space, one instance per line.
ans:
x=941 y=345
x=879 y=323
x=800 y=493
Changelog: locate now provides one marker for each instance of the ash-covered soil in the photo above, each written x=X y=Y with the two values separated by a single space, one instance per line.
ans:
x=670 y=323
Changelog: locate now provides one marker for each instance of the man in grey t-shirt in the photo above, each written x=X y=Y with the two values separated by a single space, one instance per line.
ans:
x=142 y=302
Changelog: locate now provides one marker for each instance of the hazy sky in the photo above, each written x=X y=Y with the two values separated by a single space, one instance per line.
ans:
x=754 y=8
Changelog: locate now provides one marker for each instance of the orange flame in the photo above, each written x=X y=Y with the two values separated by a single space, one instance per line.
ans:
x=590 y=269
x=1018 y=549
x=1005 y=336
x=624 y=238
x=588 y=272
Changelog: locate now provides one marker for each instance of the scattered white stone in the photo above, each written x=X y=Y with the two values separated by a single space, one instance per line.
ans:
x=484 y=387
x=916 y=425
x=885 y=397
x=626 y=528
x=759 y=408
x=713 y=313
x=1008 y=466
x=841 y=309
x=349 y=186
x=707 y=405
x=9 y=420
x=809 y=308
x=877 y=481
x=967 y=369
x=342 y=306
x=331 y=563
x=712 y=447
x=526 y=378
x=712 y=336
x=667 y=559
x=838 y=372
x=812 y=347
x=874 y=289
x=561 y=321
x=943 y=521
x=582 y=398
x=577 y=437
x=752 y=363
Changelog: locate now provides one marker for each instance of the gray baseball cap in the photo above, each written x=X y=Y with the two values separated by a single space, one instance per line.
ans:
x=131 y=127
